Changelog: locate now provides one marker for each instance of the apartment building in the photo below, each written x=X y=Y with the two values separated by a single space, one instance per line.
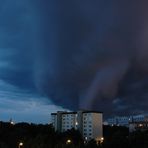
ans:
x=89 y=123
x=118 y=121
x=124 y=120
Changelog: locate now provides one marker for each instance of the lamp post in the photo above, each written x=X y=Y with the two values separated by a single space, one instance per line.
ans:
x=20 y=145
x=68 y=141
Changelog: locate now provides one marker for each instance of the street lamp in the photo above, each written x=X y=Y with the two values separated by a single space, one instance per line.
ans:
x=68 y=141
x=20 y=145
x=102 y=139
x=12 y=123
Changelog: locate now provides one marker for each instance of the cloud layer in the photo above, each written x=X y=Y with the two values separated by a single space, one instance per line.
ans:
x=24 y=106
x=90 y=55
x=97 y=54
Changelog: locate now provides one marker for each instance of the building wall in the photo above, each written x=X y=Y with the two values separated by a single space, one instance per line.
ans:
x=80 y=121
x=92 y=126
x=87 y=126
x=88 y=123
x=124 y=120
x=68 y=121
x=119 y=121
x=97 y=126
x=54 y=121
x=59 y=121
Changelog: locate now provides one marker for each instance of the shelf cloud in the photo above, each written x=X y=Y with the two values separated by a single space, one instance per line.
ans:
x=81 y=55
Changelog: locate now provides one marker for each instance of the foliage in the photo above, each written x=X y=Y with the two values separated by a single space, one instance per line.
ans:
x=44 y=136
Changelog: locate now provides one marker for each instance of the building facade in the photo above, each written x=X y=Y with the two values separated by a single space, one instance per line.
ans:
x=118 y=121
x=89 y=123
x=125 y=120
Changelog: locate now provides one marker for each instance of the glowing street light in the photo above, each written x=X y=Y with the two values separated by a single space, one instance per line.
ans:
x=12 y=123
x=68 y=141
x=20 y=145
x=102 y=139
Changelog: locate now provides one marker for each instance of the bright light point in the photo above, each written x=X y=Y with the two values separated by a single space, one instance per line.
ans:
x=12 y=123
x=68 y=141
x=20 y=144
x=140 y=125
x=76 y=123
x=102 y=139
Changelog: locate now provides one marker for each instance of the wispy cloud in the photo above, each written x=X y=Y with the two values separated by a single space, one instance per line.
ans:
x=23 y=105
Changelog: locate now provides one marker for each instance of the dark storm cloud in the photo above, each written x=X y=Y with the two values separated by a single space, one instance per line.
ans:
x=91 y=48
x=16 y=42
x=81 y=54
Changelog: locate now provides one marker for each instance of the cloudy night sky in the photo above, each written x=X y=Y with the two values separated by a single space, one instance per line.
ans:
x=70 y=55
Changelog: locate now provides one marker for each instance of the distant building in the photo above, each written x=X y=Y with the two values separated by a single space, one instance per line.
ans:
x=89 y=123
x=119 y=121
x=124 y=120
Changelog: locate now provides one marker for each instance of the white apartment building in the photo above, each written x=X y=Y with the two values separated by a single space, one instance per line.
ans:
x=68 y=121
x=89 y=123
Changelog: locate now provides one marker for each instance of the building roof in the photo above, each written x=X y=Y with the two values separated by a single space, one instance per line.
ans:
x=92 y=111
x=53 y=113
x=69 y=113
x=83 y=111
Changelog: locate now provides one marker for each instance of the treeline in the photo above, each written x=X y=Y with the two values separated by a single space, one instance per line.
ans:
x=44 y=136
x=119 y=137
x=37 y=136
